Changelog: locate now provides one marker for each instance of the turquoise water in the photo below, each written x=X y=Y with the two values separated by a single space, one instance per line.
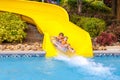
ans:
x=60 y=68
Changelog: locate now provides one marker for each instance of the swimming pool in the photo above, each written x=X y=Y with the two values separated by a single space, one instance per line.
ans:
x=59 y=68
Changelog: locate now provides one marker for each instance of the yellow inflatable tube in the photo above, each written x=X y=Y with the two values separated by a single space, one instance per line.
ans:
x=51 y=20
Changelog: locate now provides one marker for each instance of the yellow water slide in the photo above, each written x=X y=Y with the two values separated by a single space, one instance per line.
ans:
x=51 y=20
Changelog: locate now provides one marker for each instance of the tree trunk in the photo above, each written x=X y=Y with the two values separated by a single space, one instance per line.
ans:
x=118 y=10
x=114 y=6
x=79 y=5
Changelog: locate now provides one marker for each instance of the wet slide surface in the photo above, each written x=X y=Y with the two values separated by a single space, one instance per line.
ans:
x=51 y=20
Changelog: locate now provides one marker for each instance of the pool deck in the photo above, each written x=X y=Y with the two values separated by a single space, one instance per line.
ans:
x=43 y=52
x=111 y=51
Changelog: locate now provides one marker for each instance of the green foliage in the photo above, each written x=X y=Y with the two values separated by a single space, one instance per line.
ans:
x=92 y=25
x=64 y=4
x=69 y=5
x=11 y=28
x=99 y=5
x=95 y=5
x=74 y=18
x=72 y=3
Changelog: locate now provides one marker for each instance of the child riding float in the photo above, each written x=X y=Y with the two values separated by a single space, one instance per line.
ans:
x=61 y=43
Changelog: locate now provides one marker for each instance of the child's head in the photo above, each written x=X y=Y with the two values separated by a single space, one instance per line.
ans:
x=61 y=34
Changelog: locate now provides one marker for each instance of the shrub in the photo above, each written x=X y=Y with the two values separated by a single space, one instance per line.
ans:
x=99 y=5
x=92 y=25
x=115 y=28
x=96 y=5
x=108 y=3
x=106 y=38
x=11 y=28
x=74 y=18
x=69 y=5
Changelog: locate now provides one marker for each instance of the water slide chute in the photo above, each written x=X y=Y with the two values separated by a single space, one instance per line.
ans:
x=50 y=20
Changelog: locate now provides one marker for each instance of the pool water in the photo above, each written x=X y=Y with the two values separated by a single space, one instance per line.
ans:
x=60 y=68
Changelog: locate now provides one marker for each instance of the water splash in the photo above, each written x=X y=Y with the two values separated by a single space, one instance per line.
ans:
x=88 y=65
